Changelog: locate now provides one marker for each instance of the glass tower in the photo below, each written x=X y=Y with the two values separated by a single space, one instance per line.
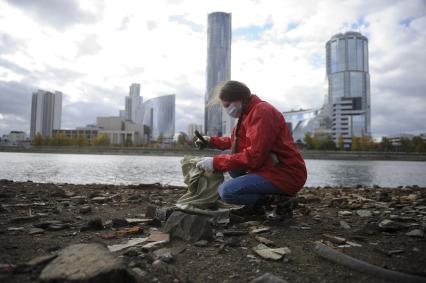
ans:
x=218 y=70
x=159 y=116
x=349 y=86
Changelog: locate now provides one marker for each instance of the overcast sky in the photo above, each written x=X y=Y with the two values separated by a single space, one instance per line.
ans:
x=93 y=50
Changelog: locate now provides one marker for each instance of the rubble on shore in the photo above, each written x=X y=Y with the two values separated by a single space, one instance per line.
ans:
x=43 y=227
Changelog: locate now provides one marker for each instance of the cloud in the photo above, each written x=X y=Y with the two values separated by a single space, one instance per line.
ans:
x=77 y=114
x=124 y=23
x=89 y=45
x=8 y=44
x=15 y=106
x=151 y=25
x=278 y=50
x=57 y=14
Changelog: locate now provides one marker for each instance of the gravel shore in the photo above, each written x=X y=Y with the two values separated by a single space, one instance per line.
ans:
x=382 y=226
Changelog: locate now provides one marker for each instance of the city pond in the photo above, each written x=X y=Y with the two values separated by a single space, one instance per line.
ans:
x=131 y=169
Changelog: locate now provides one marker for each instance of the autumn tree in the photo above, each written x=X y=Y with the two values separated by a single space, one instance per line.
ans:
x=101 y=140
x=356 y=145
x=341 y=142
x=38 y=139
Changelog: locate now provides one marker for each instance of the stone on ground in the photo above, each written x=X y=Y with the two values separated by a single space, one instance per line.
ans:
x=363 y=213
x=416 y=233
x=188 y=227
x=86 y=263
x=271 y=253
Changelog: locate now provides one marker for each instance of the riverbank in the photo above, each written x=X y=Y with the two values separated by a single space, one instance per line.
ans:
x=381 y=226
x=307 y=154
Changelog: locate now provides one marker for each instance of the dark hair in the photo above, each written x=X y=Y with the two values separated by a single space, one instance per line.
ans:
x=235 y=91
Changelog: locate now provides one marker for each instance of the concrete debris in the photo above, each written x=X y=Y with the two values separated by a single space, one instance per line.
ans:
x=344 y=225
x=264 y=240
x=86 y=263
x=133 y=221
x=344 y=213
x=99 y=200
x=353 y=244
x=159 y=213
x=157 y=236
x=36 y=231
x=188 y=227
x=260 y=230
x=395 y=252
x=13 y=229
x=417 y=233
x=164 y=254
x=201 y=243
x=129 y=243
x=363 y=213
x=271 y=253
x=334 y=239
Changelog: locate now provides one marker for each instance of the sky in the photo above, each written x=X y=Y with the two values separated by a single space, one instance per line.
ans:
x=93 y=50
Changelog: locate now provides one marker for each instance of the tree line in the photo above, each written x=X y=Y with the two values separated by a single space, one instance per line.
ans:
x=61 y=139
x=364 y=143
x=102 y=139
x=311 y=141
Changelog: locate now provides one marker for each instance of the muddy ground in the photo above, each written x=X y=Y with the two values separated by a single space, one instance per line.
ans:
x=358 y=215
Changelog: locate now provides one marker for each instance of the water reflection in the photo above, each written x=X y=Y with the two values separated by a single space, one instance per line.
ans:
x=119 y=169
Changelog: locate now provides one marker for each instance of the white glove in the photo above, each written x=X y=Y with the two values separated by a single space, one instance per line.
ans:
x=206 y=164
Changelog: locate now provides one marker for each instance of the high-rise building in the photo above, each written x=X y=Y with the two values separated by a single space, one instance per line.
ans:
x=219 y=35
x=134 y=105
x=159 y=116
x=46 y=111
x=122 y=114
x=348 y=86
x=192 y=128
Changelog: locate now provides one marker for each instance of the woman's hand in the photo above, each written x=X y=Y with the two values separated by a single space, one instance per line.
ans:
x=202 y=144
x=206 y=164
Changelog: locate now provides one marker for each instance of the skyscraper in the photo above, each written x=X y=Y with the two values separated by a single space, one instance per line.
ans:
x=133 y=104
x=348 y=86
x=191 y=130
x=160 y=117
x=46 y=111
x=218 y=70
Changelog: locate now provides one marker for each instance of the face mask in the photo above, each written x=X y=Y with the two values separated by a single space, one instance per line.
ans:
x=233 y=110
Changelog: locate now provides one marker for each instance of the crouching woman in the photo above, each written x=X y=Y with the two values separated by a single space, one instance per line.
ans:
x=264 y=160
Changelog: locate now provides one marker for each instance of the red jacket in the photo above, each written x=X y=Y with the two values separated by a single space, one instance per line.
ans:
x=263 y=131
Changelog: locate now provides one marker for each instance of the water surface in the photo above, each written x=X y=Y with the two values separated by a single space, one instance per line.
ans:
x=130 y=169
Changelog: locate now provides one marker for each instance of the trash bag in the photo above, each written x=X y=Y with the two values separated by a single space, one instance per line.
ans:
x=202 y=196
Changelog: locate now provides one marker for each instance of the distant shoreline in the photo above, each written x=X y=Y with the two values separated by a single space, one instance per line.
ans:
x=307 y=154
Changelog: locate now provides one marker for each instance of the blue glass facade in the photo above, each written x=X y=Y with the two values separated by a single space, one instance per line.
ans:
x=159 y=116
x=349 y=85
x=218 y=70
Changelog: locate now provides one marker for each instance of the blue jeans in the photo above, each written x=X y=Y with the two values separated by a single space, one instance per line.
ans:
x=247 y=189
